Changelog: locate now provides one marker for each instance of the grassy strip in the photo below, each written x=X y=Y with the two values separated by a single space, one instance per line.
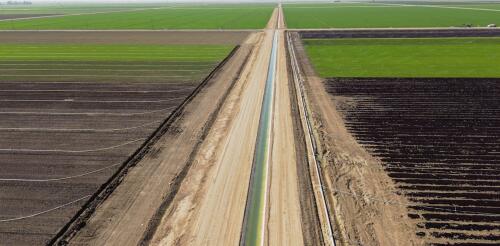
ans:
x=365 y=15
x=439 y=57
x=252 y=17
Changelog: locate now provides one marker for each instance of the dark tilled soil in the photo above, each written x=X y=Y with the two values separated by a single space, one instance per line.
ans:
x=439 y=140
x=62 y=130
x=408 y=33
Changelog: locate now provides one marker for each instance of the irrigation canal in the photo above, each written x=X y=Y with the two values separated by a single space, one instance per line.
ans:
x=255 y=214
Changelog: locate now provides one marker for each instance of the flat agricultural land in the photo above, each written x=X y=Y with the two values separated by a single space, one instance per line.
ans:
x=405 y=57
x=427 y=109
x=71 y=115
x=163 y=17
x=438 y=140
x=375 y=15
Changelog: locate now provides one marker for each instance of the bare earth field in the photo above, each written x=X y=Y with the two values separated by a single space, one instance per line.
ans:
x=125 y=37
x=60 y=151
x=438 y=141
x=60 y=140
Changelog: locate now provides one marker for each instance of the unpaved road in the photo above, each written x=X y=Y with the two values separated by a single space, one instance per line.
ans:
x=284 y=226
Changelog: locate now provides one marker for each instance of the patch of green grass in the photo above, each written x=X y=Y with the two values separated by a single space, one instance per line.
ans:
x=436 y=57
x=189 y=17
x=112 y=52
x=378 y=15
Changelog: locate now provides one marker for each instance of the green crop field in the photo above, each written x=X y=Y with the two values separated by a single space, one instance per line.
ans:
x=379 y=15
x=109 y=63
x=163 y=17
x=437 y=57
x=112 y=52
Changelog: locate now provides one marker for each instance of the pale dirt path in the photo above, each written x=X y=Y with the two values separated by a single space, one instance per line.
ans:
x=122 y=219
x=284 y=225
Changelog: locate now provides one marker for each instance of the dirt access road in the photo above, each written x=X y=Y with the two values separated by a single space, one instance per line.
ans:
x=210 y=206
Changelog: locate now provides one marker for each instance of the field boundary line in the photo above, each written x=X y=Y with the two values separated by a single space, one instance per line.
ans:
x=436 y=28
x=93 y=76
x=80 y=218
x=91 y=101
x=97 y=69
x=438 y=6
x=132 y=30
x=89 y=113
x=314 y=164
x=46 y=211
x=72 y=151
x=32 y=129
x=97 y=91
x=62 y=178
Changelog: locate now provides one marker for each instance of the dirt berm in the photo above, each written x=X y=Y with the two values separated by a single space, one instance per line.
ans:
x=127 y=215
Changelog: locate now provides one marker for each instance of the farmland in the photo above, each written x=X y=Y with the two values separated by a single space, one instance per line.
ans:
x=407 y=57
x=389 y=15
x=73 y=113
x=164 y=17
x=224 y=124
x=425 y=107
x=438 y=140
